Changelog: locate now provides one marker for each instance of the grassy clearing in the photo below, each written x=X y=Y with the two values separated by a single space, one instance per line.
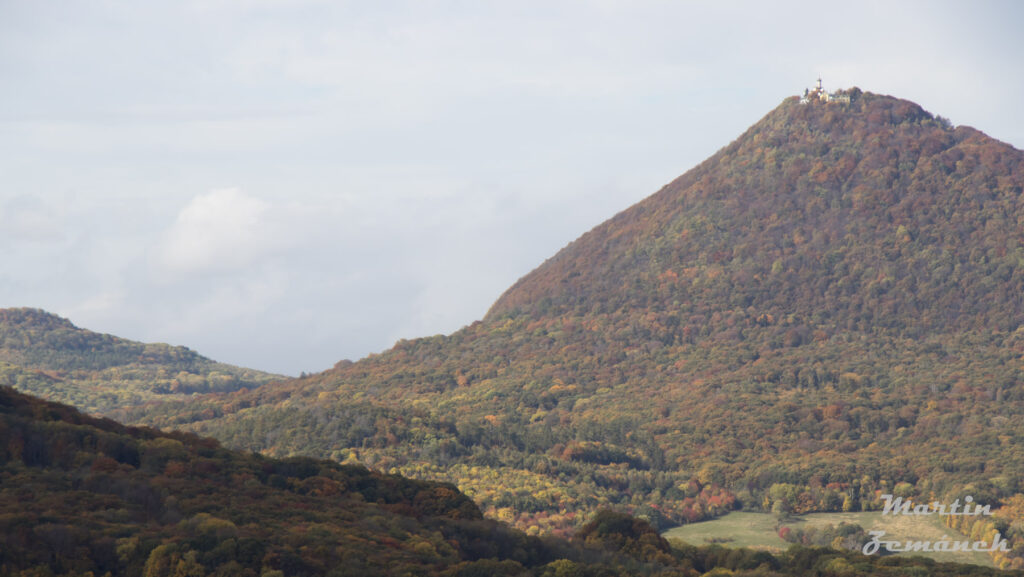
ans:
x=737 y=529
x=757 y=531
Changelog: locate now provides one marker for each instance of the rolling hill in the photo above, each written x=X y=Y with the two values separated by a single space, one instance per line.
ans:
x=827 y=309
x=48 y=356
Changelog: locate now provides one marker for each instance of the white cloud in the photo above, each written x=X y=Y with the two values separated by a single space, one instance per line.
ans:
x=222 y=230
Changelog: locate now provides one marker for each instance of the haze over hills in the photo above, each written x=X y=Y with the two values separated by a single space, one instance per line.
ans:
x=48 y=356
x=827 y=309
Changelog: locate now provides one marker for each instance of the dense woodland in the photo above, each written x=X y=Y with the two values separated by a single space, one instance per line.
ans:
x=81 y=496
x=827 y=310
x=46 y=355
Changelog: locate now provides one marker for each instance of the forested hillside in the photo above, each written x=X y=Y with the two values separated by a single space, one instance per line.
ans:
x=46 y=355
x=81 y=496
x=826 y=310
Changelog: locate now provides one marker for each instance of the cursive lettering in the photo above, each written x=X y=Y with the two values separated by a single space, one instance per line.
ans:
x=943 y=545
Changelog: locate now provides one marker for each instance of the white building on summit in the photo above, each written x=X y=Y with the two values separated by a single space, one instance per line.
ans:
x=821 y=95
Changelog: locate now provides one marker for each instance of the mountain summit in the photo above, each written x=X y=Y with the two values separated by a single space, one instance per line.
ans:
x=824 y=311
x=870 y=214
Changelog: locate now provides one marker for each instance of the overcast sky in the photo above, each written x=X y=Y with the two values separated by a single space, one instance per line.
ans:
x=282 y=184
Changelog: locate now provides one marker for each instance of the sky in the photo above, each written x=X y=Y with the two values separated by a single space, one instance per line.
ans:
x=282 y=184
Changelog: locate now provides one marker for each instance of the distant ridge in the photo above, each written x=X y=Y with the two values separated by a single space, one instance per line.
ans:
x=46 y=355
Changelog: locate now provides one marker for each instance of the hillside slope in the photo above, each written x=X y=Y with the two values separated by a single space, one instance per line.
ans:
x=48 y=356
x=82 y=496
x=872 y=216
x=827 y=309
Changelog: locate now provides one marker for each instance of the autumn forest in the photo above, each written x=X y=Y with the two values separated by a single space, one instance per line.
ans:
x=828 y=310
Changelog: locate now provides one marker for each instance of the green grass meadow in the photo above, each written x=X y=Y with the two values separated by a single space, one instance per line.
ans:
x=757 y=531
